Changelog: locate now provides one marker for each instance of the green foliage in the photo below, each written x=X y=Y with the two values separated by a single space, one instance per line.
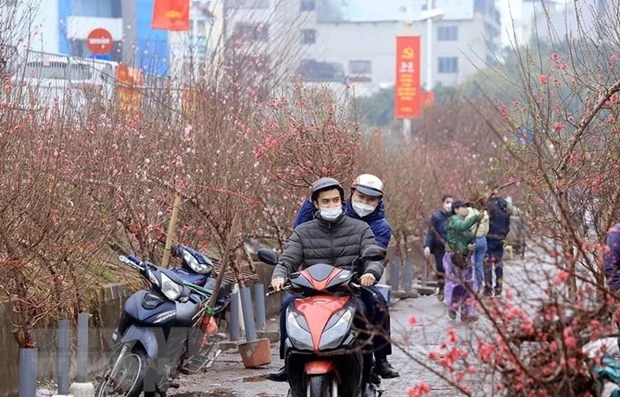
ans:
x=377 y=110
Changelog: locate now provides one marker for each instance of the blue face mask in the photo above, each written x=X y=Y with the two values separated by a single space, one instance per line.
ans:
x=330 y=214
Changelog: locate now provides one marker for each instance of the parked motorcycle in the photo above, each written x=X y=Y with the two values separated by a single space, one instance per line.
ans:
x=323 y=350
x=198 y=270
x=157 y=333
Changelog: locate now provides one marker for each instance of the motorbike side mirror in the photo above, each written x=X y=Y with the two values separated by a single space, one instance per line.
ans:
x=267 y=256
x=374 y=253
x=175 y=250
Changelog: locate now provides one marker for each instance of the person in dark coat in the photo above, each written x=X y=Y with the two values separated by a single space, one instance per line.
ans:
x=612 y=259
x=436 y=239
x=499 y=225
x=333 y=238
x=366 y=204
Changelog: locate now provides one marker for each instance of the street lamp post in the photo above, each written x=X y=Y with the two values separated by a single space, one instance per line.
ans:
x=429 y=46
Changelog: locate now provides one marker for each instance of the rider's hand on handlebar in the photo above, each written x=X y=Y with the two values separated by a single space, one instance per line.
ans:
x=367 y=280
x=277 y=283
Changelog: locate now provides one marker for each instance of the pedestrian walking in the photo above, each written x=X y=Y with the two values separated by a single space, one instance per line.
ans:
x=480 y=230
x=499 y=225
x=436 y=240
x=612 y=258
x=458 y=263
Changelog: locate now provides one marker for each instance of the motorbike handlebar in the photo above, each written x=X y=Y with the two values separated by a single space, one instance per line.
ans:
x=132 y=261
x=273 y=292
x=289 y=287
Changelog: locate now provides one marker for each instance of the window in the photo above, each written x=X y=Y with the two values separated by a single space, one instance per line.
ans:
x=201 y=27
x=424 y=8
x=308 y=36
x=360 y=71
x=360 y=67
x=308 y=5
x=252 y=32
x=448 y=64
x=97 y=8
x=447 y=33
x=314 y=71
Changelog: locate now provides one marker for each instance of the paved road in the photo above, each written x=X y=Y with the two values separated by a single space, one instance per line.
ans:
x=524 y=278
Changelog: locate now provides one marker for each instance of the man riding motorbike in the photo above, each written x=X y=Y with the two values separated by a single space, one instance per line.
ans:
x=332 y=238
x=366 y=204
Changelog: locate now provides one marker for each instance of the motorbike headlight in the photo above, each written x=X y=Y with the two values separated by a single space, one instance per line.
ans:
x=152 y=277
x=192 y=262
x=169 y=288
x=297 y=333
x=333 y=336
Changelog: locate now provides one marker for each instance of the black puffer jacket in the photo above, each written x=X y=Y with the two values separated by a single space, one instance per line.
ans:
x=337 y=243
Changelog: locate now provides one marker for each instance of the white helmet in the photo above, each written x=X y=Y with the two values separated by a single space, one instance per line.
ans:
x=368 y=185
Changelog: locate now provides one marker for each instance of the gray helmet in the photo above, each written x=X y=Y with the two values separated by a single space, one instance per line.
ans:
x=325 y=183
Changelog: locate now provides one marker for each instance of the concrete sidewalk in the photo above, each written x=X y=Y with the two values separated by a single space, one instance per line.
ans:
x=229 y=378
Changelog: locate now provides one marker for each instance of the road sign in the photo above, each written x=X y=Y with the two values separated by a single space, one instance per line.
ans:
x=99 y=41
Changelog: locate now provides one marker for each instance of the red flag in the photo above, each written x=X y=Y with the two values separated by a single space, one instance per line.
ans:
x=407 y=90
x=428 y=99
x=171 y=15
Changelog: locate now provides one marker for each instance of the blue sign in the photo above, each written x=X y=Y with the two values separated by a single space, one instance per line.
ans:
x=103 y=57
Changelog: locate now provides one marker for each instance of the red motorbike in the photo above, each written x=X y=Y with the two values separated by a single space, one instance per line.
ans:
x=323 y=350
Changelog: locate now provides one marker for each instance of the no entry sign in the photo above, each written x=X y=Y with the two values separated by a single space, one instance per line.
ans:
x=99 y=41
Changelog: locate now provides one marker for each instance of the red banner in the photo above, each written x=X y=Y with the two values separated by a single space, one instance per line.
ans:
x=407 y=90
x=171 y=15
x=128 y=85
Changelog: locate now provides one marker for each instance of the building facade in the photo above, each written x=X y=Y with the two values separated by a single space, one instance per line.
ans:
x=465 y=39
x=63 y=26
x=577 y=18
x=129 y=22
x=193 y=51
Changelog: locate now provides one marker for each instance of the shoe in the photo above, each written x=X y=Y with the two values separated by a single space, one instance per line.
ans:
x=452 y=314
x=280 y=376
x=469 y=319
x=488 y=292
x=369 y=390
x=384 y=369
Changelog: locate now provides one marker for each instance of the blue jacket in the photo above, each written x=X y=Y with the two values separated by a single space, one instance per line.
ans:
x=379 y=226
x=612 y=258
x=437 y=227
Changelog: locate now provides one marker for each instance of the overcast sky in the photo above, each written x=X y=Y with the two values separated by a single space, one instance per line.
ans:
x=389 y=9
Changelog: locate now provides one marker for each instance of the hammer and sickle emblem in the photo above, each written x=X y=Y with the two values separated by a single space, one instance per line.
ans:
x=408 y=53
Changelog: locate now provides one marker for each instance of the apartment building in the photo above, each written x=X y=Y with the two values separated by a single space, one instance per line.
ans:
x=344 y=43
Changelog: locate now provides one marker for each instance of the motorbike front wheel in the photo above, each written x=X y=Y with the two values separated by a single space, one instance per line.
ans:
x=124 y=376
x=322 y=386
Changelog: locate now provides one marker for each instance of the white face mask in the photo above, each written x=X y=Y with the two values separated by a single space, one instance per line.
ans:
x=447 y=207
x=330 y=214
x=362 y=209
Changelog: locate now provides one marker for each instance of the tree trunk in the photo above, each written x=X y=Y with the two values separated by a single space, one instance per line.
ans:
x=566 y=236
x=22 y=330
